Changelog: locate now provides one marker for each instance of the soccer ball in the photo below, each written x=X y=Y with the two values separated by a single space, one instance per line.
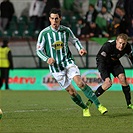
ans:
x=1 y=113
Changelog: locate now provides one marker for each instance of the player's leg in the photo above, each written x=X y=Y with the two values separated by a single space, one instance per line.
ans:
x=126 y=90
x=65 y=83
x=89 y=94
x=73 y=72
x=78 y=100
x=120 y=73
x=105 y=86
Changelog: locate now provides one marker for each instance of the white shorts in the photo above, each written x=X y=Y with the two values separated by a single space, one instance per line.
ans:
x=65 y=77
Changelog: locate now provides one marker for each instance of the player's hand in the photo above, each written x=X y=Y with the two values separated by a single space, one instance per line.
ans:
x=51 y=61
x=82 y=52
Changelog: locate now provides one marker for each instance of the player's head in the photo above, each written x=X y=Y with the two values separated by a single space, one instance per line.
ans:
x=5 y=42
x=121 y=41
x=55 y=17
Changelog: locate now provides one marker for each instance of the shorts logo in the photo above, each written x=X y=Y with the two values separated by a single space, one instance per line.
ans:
x=58 y=45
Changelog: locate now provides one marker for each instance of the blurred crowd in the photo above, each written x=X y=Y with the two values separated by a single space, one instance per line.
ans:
x=98 y=21
x=101 y=21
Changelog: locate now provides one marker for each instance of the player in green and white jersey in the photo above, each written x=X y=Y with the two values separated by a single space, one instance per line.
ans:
x=52 y=47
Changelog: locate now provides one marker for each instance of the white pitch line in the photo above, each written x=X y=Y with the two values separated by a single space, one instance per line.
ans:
x=32 y=110
x=23 y=111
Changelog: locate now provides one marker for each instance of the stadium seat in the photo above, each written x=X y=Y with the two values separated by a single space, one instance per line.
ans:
x=23 y=19
x=14 y=19
x=29 y=31
x=7 y=33
x=16 y=34
x=21 y=27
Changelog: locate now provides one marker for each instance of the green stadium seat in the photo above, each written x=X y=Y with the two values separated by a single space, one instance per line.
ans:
x=7 y=33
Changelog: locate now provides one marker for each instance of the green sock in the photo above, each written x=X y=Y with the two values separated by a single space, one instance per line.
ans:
x=91 y=95
x=77 y=99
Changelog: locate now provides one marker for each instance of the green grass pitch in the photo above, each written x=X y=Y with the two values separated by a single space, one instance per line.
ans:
x=55 y=112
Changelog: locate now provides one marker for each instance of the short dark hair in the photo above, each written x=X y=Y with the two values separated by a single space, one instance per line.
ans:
x=55 y=11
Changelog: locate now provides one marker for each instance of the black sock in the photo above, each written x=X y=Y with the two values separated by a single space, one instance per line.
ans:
x=99 y=91
x=127 y=93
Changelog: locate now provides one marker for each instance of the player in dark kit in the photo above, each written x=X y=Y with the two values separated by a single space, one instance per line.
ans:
x=108 y=62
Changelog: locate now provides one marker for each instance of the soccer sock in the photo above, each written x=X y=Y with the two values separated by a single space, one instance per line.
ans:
x=77 y=99
x=99 y=91
x=91 y=95
x=127 y=93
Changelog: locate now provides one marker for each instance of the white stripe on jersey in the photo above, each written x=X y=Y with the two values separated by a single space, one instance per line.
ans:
x=65 y=47
x=57 y=61
x=59 y=34
x=51 y=50
x=40 y=46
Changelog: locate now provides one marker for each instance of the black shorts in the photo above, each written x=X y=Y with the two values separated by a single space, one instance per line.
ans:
x=115 y=70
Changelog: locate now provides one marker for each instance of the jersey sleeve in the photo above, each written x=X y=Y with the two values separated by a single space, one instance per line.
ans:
x=74 y=40
x=40 y=47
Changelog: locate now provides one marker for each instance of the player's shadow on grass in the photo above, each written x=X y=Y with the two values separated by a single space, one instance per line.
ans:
x=120 y=115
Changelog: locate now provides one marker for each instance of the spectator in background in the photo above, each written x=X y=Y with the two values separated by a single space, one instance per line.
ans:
x=91 y=30
x=121 y=22
x=103 y=20
x=36 y=13
x=67 y=7
x=72 y=7
x=91 y=14
x=25 y=11
x=100 y=3
x=77 y=8
x=6 y=63
x=126 y=20
x=129 y=8
x=131 y=29
x=80 y=24
x=120 y=3
x=7 y=11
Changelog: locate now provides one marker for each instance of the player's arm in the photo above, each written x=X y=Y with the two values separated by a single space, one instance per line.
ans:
x=74 y=40
x=40 y=48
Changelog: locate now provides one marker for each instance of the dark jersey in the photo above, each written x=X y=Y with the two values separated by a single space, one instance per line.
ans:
x=108 y=56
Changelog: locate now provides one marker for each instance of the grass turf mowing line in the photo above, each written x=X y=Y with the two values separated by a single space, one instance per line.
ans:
x=55 y=112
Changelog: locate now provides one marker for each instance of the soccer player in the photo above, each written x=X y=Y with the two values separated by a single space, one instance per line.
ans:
x=52 y=47
x=108 y=62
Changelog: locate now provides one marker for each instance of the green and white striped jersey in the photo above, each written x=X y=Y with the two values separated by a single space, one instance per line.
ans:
x=54 y=43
